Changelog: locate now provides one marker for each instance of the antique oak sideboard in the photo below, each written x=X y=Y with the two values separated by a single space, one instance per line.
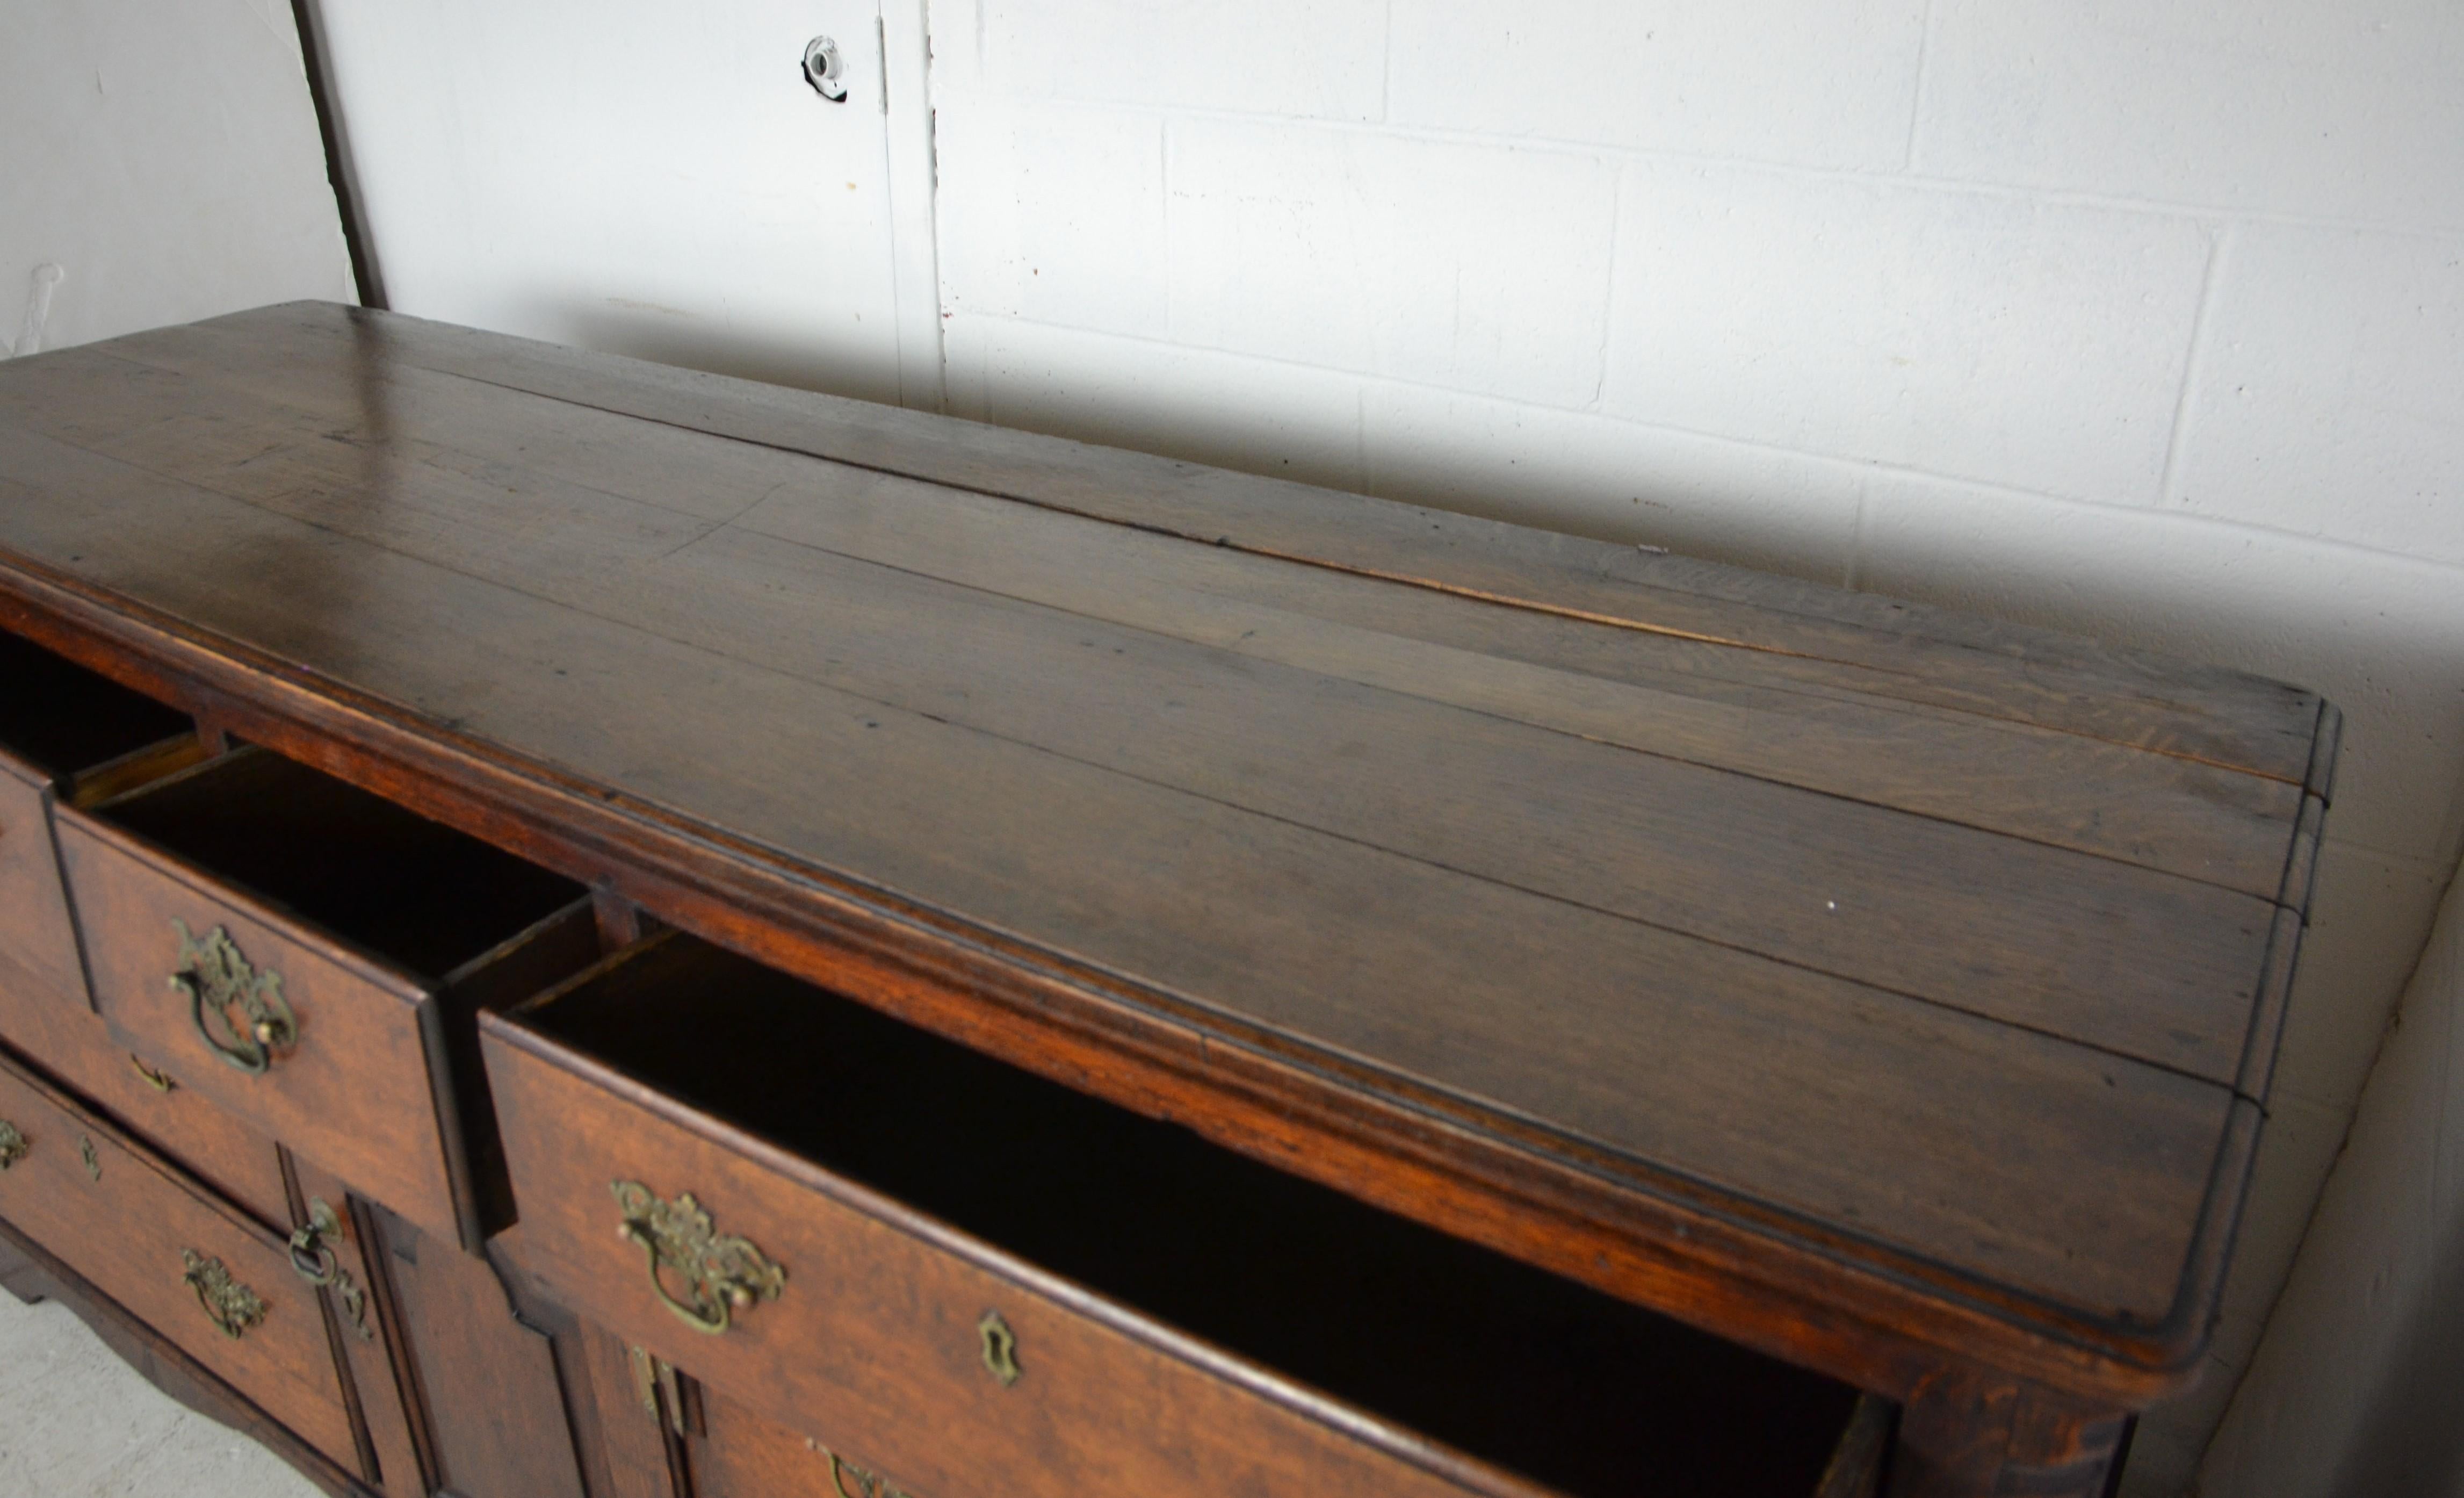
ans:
x=574 y=928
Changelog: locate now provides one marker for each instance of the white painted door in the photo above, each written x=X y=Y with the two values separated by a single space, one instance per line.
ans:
x=653 y=178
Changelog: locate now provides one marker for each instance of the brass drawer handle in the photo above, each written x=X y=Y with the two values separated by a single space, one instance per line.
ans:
x=12 y=1144
x=314 y=1259
x=217 y=979
x=723 y=1274
x=229 y=1304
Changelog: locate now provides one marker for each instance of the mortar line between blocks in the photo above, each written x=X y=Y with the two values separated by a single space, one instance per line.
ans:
x=2033 y=194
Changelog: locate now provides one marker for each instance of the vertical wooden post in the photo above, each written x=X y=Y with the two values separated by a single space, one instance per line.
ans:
x=1966 y=1434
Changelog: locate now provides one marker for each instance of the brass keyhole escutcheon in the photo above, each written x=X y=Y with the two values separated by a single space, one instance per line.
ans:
x=723 y=1274
x=12 y=1144
x=1001 y=1348
x=237 y=1007
x=85 y=1152
x=230 y=1306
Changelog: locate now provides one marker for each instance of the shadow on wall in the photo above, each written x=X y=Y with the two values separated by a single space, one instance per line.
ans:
x=645 y=329
x=38 y=311
x=2410 y=1441
x=1678 y=494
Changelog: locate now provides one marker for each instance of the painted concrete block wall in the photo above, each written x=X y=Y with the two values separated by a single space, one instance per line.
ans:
x=653 y=179
x=159 y=163
x=2353 y=1392
x=2121 y=318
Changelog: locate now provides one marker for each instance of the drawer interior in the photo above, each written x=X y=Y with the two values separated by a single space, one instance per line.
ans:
x=1522 y=1368
x=418 y=893
x=61 y=717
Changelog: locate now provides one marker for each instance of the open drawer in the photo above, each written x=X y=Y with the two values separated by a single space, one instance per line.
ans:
x=64 y=731
x=309 y=956
x=967 y=1279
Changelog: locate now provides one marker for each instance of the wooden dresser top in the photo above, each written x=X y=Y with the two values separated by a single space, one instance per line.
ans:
x=1805 y=949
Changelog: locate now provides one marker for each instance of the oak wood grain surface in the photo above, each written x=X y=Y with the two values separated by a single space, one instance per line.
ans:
x=59 y=1033
x=1940 y=958
x=1338 y=1310
x=364 y=911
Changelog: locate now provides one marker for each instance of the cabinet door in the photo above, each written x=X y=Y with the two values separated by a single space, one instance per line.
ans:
x=651 y=178
x=488 y=1389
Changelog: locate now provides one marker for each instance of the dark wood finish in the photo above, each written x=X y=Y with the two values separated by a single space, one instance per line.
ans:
x=19 y=1276
x=492 y=1401
x=740 y=1455
x=125 y=1220
x=1140 y=1268
x=376 y=920
x=163 y=1363
x=1891 y=992
x=391 y=1461
x=1763 y=624
x=1971 y=1432
x=57 y=723
x=630 y=1445
x=74 y=1044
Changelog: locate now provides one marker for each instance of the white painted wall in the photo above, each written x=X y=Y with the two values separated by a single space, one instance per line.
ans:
x=161 y=156
x=2355 y=1391
x=2141 y=319
x=653 y=179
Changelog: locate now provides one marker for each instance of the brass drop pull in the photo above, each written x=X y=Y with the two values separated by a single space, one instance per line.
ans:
x=723 y=1274
x=312 y=1255
x=314 y=1259
x=229 y=1304
x=160 y=1082
x=218 y=980
x=12 y=1144
x=1001 y=1348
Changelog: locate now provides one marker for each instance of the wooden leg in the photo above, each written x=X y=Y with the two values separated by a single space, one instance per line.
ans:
x=1970 y=1436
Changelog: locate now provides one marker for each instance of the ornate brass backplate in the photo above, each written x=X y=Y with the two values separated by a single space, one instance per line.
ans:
x=229 y=1304
x=1001 y=1348
x=723 y=1274
x=314 y=1259
x=12 y=1144
x=218 y=980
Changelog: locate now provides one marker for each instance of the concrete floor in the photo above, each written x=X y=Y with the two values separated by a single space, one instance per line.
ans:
x=76 y=1422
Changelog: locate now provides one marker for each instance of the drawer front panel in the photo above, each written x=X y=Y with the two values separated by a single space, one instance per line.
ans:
x=352 y=1085
x=35 y=937
x=175 y=1259
x=75 y=1045
x=907 y=1348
